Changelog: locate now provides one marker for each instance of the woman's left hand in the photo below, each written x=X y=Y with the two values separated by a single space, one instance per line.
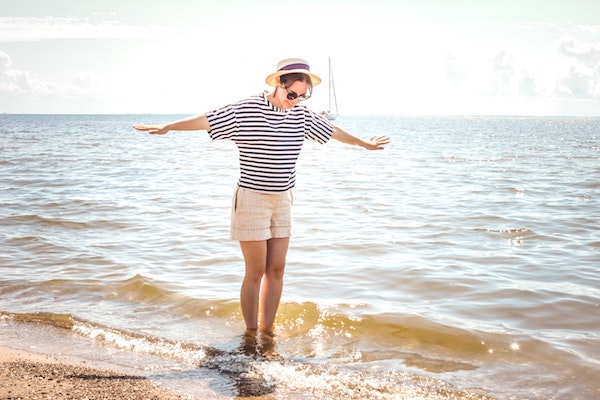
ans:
x=377 y=142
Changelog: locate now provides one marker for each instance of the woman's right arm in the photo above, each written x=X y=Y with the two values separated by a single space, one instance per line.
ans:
x=194 y=123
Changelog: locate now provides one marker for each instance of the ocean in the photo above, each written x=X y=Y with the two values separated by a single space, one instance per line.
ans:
x=459 y=263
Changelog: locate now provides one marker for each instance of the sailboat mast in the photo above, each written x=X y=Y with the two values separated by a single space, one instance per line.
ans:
x=332 y=112
x=332 y=95
x=330 y=83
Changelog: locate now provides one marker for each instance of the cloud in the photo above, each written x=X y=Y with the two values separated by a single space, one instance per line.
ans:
x=587 y=54
x=579 y=84
x=594 y=29
x=455 y=71
x=499 y=75
x=13 y=80
x=16 y=29
x=583 y=78
x=506 y=75
x=16 y=81
x=503 y=69
x=84 y=80
x=527 y=85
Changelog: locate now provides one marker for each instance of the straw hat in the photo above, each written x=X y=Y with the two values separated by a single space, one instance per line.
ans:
x=290 y=66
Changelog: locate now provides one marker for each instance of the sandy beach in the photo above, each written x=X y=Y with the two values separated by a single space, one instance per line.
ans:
x=26 y=375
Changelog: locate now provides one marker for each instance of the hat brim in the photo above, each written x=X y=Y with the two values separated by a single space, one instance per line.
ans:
x=272 y=79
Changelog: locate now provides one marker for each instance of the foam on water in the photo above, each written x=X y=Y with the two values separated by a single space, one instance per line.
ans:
x=250 y=369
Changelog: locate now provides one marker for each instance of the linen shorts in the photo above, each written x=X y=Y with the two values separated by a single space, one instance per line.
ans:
x=261 y=216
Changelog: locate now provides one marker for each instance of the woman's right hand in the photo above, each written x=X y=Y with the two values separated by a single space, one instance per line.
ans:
x=151 y=129
x=194 y=123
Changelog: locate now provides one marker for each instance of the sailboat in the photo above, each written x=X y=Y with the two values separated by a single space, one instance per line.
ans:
x=332 y=113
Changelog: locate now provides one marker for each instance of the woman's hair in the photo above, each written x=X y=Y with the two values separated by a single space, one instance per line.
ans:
x=288 y=80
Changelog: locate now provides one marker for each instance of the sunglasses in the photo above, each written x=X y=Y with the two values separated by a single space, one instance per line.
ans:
x=293 y=95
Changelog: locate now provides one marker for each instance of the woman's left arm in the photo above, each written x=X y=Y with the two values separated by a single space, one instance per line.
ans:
x=376 y=142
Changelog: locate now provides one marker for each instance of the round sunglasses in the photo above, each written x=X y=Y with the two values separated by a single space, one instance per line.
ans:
x=293 y=95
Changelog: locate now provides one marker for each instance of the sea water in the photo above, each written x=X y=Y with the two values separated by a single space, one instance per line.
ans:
x=459 y=263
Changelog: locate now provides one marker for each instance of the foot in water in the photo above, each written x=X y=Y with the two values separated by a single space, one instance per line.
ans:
x=259 y=344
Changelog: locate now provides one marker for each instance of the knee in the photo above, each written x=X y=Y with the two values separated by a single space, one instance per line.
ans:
x=276 y=271
x=254 y=275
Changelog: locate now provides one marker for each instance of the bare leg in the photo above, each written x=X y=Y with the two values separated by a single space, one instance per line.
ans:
x=263 y=259
x=255 y=257
x=273 y=281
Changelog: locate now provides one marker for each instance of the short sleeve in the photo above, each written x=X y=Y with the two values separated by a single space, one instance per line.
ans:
x=223 y=123
x=318 y=128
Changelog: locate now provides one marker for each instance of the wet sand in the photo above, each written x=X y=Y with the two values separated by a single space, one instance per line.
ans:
x=26 y=375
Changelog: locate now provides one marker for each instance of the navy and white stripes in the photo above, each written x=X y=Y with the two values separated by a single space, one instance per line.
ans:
x=269 y=140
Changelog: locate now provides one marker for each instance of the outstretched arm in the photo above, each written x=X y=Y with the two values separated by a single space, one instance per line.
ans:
x=376 y=142
x=194 y=123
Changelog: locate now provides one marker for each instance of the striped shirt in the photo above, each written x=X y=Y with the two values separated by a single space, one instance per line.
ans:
x=269 y=139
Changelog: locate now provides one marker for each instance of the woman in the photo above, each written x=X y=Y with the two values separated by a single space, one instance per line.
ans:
x=269 y=130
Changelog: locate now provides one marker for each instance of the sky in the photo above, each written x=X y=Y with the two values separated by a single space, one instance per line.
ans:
x=404 y=57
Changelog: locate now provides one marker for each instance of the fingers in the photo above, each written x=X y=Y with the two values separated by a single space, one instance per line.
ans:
x=141 y=127
x=152 y=129
x=378 y=142
x=381 y=139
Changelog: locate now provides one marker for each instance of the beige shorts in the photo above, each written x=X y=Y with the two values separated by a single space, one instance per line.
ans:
x=261 y=216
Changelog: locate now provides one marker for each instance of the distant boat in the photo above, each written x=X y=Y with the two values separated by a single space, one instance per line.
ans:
x=332 y=113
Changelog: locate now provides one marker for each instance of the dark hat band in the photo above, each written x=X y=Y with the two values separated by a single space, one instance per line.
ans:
x=295 y=66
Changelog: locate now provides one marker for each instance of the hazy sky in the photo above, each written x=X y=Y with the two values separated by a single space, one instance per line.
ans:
x=516 y=57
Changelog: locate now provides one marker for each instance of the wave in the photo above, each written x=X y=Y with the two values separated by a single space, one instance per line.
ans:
x=131 y=301
x=332 y=323
x=327 y=348
x=316 y=332
x=254 y=368
x=38 y=220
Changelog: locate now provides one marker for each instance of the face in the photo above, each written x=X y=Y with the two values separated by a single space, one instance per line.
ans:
x=298 y=88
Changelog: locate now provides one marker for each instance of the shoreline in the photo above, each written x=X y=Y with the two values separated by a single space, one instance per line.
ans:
x=28 y=375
